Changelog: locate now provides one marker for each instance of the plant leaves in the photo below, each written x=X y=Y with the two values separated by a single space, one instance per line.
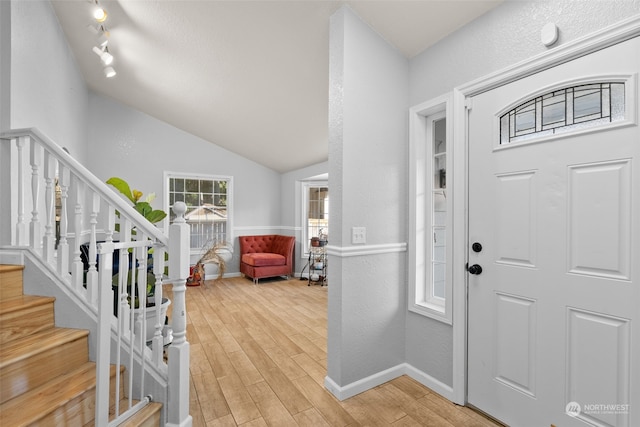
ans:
x=155 y=216
x=144 y=208
x=122 y=186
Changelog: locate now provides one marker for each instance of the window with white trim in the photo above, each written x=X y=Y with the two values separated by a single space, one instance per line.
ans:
x=430 y=290
x=315 y=211
x=208 y=200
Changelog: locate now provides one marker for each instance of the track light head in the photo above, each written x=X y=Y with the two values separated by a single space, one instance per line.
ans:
x=109 y=72
x=104 y=54
x=100 y=14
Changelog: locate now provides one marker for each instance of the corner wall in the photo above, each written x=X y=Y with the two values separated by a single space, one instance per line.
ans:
x=368 y=118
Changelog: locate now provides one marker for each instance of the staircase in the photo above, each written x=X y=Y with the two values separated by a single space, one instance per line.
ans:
x=46 y=377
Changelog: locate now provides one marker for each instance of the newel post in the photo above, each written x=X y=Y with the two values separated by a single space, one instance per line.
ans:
x=178 y=352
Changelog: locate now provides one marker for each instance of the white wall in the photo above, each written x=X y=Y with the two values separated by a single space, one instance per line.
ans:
x=5 y=149
x=47 y=90
x=502 y=37
x=40 y=87
x=139 y=148
x=368 y=106
x=5 y=63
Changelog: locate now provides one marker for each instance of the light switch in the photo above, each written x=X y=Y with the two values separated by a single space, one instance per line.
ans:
x=358 y=235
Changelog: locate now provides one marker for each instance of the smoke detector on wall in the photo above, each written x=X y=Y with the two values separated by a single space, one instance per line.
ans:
x=549 y=34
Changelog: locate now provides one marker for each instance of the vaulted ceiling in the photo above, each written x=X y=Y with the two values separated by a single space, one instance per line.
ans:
x=249 y=76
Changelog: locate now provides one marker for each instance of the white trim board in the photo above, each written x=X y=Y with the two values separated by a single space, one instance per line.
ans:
x=357 y=387
x=365 y=250
x=265 y=227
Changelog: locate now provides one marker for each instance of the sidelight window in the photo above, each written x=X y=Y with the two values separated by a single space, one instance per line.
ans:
x=430 y=207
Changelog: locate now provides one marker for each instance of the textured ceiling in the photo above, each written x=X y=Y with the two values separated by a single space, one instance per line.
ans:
x=249 y=76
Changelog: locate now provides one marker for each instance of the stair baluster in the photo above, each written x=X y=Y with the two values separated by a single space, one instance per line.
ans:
x=49 y=201
x=35 y=232
x=64 y=180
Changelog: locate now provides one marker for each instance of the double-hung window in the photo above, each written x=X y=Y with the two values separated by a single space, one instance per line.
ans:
x=209 y=206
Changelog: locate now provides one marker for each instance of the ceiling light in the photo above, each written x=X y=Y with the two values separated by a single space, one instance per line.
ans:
x=100 y=14
x=104 y=55
x=109 y=72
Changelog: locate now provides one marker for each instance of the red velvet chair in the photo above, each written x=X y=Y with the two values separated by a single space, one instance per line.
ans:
x=266 y=255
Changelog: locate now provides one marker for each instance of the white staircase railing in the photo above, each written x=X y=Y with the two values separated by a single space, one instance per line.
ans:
x=86 y=232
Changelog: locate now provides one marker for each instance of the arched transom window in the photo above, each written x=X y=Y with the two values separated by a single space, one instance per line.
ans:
x=569 y=109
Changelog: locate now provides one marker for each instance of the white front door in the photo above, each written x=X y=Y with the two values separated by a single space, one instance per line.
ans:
x=554 y=315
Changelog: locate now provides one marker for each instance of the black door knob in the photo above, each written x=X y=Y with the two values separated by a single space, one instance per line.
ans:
x=477 y=247
x=475 y=269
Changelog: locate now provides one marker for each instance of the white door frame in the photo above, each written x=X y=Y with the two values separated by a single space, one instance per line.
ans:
x=609 y=36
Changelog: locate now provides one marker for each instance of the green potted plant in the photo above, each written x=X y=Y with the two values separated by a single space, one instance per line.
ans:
x=153 y=216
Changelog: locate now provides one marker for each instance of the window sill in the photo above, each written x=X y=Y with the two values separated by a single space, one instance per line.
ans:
x=433 y=311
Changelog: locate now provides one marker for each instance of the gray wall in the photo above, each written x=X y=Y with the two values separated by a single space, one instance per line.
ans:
x=40 y=86
x=368 y=104
x=5 y=63
x=502 y=37
x=5 y=91
x=47 y=89
x=132 y=145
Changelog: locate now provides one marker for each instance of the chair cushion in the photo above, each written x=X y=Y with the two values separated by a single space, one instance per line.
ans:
x=263 y=259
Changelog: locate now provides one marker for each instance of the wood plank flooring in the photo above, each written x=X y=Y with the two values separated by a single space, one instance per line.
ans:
x=258 y=358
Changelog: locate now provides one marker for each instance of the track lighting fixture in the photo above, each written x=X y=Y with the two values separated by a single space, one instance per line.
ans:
x=104 y=54
x=109 y=72
x=103 y=39
x=100 y=30
x=101 y=33
x=99 y=14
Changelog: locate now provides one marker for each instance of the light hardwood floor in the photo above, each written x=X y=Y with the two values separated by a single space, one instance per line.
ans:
x=258 y=358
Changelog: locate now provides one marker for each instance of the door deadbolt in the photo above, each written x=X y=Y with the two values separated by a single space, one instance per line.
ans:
x=476 y=247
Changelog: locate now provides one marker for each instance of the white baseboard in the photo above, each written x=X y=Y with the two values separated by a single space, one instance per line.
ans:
x=357 y=387
x=428 y=381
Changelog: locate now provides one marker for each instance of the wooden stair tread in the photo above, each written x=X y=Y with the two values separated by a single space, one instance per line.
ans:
x=23 y=348
x=148 y=416
x=23 y=301
x=10 y=267
x=43 y=379
x=37 y=403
